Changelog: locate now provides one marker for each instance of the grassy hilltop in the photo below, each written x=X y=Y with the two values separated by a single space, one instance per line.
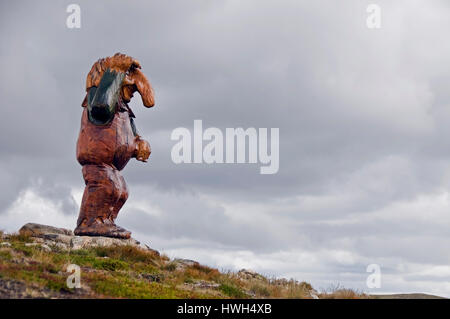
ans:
x=35 y=270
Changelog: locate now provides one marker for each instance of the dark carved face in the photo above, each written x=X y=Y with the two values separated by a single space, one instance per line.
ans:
x=102 y=100
x=109 y=78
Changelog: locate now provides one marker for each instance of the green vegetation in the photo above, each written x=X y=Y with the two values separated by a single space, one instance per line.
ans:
x=132 y=272
x=232 y=291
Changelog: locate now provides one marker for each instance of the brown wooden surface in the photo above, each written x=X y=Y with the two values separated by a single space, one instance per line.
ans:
x=104 y=150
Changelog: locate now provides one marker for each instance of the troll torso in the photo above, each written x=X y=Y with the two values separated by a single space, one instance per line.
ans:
x=112 y=144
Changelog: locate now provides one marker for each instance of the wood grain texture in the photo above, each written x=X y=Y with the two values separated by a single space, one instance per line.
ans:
x=104 y=150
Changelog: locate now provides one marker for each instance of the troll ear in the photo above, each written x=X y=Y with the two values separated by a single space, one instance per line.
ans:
x=85 y=101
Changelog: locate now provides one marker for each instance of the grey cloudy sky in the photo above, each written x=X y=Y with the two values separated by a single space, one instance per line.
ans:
x=363 y=116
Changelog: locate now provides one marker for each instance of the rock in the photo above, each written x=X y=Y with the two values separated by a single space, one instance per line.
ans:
x=146 y=247
x=183 y=263
x=152 y=277
x=38 y=230
x=60 y=246
x=314 y=294
x=5 y=244
x=80 y=242
x=247 y=274
x=202 y=284
x=13 y=289
x=58 y=238
x=49 y=236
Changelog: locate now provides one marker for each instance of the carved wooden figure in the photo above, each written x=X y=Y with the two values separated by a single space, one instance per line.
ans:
x=108 y=139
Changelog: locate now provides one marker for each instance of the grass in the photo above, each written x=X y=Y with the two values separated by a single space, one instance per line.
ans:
x=23 y=238
x=131 y=272
x=260 y=290
x=338 y=292
x=232 y=291
x=5 y=254
x=122 y=286
x=170 y=266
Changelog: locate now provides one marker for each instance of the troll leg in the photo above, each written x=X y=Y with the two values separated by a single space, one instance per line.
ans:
x=104 y=195
x=123 y=196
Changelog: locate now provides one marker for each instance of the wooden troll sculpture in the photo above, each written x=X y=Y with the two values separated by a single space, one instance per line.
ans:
x=108 y=139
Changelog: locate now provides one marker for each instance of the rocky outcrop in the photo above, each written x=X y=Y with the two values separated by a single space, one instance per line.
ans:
x=181 y=263
x=247 y=274
x=49 y=237
x=32 y=229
